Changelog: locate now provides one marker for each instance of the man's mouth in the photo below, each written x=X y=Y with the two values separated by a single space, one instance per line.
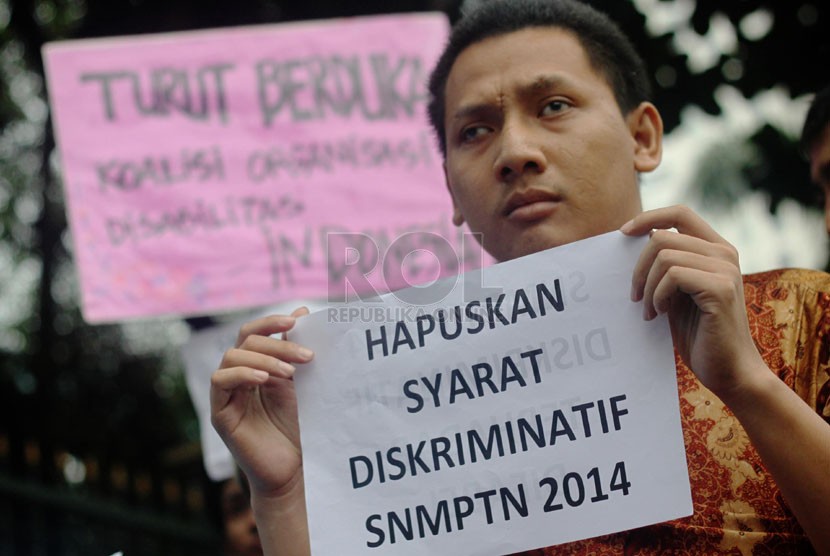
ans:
x=530 y=205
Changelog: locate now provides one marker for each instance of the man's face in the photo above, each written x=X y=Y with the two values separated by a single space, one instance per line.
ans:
x=820 y=169
x=241 y=537
x=538 y=152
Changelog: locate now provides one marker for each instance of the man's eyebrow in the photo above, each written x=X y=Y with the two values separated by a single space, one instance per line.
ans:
x=545 y=83
x=477 y=110
x=536 y=86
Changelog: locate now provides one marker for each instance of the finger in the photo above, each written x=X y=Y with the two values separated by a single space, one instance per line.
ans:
x=283 y=350
x=231 y=378
x=663 y=240
x=236 y=357
x=224 y=382
x=679 y=217
x=712 y=292
x=265 y=326
x=662 y=273
x=300 y=312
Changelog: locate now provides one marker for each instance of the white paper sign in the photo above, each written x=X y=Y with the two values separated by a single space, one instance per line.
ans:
x=542 y=409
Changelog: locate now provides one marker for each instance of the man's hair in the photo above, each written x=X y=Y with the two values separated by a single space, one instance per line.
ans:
x=818 y=117
x=608 y=49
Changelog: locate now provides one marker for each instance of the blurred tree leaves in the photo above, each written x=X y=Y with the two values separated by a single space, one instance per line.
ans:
x=759 y=45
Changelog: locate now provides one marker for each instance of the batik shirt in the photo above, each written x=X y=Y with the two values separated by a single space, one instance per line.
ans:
x=738 y=509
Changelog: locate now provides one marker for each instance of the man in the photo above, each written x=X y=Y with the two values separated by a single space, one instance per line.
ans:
x=541 y=112
x=815 y=142
x=238 y=525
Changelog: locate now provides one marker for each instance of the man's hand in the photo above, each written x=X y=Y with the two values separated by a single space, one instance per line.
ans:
x=693 y=274
x=254 y=406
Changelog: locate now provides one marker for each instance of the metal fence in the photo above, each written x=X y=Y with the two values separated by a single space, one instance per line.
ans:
x=80 y=504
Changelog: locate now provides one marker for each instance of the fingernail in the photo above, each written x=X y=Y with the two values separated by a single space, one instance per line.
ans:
x=305 y=353
x=625 y=228
x=261 y=376
x=287 y=368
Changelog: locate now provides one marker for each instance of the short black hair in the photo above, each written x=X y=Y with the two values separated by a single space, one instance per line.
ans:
x=818 y=117
x=609 y=49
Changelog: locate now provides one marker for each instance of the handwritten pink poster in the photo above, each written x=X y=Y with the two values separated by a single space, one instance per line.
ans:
x=217 y=170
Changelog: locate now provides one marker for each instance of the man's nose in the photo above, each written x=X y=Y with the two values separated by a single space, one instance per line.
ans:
x=520 y=151
x=249 y=517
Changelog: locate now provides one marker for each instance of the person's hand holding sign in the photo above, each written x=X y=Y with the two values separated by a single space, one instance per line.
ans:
x=254 y=409
x=694 y=276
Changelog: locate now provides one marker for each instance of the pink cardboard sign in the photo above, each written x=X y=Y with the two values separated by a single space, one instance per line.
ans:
x=216 y=170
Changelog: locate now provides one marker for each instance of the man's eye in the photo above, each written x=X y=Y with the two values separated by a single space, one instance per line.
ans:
x=472 y=133
x=554 y=107
x=236 y=505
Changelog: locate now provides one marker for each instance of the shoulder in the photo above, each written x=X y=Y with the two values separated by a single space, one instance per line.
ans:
x=790 y=297
x=793 y=279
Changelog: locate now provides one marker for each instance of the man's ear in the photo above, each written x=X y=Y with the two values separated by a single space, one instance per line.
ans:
x=457 y=217
x=646 y=128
